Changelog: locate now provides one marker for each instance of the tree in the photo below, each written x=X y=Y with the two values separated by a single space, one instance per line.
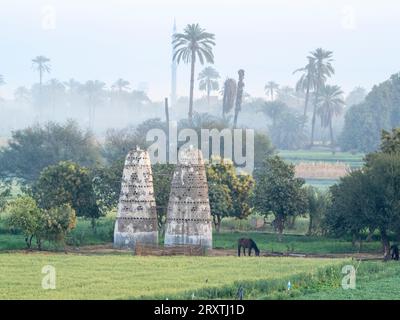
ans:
x=22 y=94
x=273 y=110
x=120 y=85
x=229 y=95
x=67 y=184
x=365 y=121
x=390 y=141
x=323 y=70
x=32 y=149
x=52 y=224
x=193 y=43
x=26 y=217
x=288 y=131
x=307 y=81
x=229 y=193
x=41 y=65
x=5 y=193
x=278 y=192
x=330 y=104
x=317 y=203
x=239 y=96
x=162 y=177
x=356 y=96
x=270 y=89
x=55 y=90
x=208 y=81
x=94 y=91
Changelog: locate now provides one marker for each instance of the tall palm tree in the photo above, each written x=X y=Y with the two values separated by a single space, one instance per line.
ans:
x=56 y=90
x=41 y=64
x=193 y=42
x=239 y=96
x=94 y=91
x=323 y=70
x=306 y=82
x=208 y=81
x=270 y=88
x=120 y=85
x=330 y=104
x=229 y=95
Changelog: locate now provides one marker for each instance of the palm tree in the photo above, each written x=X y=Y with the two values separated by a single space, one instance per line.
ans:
x=270 y=88
x=306 y=82
x=94 y=91
x=22 y=94
x=56 y=89
x=193 y=42
x=330 y=104
x=208 y=81
x=41 y=64
x=120 y=85
x=229 y=95
x=239 y=96
x=323 y=70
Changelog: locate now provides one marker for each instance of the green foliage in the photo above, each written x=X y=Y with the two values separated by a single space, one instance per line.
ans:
x=318 y=203
x=26 y=217
x=278 y=191
x=364 y=122
x=5 y=193
x=229 y=193
x=59 y=221
x=67 y=183
x=32 y=149
x=162 y=177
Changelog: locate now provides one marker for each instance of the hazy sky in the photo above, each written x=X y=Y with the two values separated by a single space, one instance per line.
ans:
x=104 y=39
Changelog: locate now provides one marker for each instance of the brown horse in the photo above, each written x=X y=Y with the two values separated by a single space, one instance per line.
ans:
x=249 y=244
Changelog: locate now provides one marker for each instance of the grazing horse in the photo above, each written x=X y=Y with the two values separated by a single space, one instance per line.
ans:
x=249 y=244
x=394 y=252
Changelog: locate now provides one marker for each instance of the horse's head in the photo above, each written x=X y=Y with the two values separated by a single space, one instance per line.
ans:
x=257 y=252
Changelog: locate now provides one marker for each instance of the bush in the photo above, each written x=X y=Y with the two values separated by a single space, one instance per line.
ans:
x=52 y=224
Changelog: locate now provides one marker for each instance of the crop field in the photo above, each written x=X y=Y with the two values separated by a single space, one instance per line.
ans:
x=133 y=277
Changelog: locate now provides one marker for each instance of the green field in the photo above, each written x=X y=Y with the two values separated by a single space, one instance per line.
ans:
x=132 y=277
x=353 y=160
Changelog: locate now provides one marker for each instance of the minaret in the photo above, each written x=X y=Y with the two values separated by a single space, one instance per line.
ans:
x=173 y=71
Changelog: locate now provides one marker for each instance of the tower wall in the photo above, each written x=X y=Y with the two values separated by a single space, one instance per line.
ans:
x=137 y=216
x=189 y=214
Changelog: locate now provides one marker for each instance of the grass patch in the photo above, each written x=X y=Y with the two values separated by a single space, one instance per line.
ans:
x=134 y=277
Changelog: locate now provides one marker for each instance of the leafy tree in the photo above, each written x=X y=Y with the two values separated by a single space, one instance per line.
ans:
x=323 y=70
x=330 y=104
x=67 y=183
x=26 y=217
x=278 y=192
x=318 y=203
x=120 y=85
x=5 y=193
x=208 y=81
x=390 y=142
x=193 y=43
x=52 y=224
x=22 y=95
x=356 y=96
x=273 y=110
x=364 y=122
x=162 y=177
x=32 y=149
x=270 y=89
x=59 y=221
x=41 y=64
x=229 y=193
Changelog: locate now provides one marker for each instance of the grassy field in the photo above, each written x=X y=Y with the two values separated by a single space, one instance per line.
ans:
x=373 y=281
x=132 y=277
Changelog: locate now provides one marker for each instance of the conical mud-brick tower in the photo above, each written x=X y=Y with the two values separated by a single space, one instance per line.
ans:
x=188 y=216
x=137 y=215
